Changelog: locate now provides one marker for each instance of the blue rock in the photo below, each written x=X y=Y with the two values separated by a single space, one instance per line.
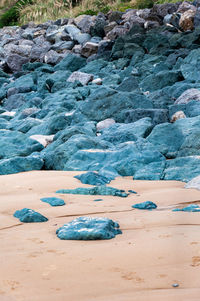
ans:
x=71 y=62
x=98 y=190
x=182 y=169
x=53 y=201
x=98 y=200
x=14 y=143
x=139 y=159
x=86 y=228
x=189 y=67
x=20 y=164
x=92 y=178
x=145 y=206
x=190 y=208
x=29 y=216
x=132 y=191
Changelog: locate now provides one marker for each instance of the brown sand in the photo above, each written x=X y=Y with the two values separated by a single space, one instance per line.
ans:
x=157 y=248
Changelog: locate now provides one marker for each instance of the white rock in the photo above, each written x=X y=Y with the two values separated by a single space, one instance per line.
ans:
x=11 y=114
x=104 y=124
x=194 y=183
x=43 y=139
x=97 y=81
x=82 y=77
x=177 y=115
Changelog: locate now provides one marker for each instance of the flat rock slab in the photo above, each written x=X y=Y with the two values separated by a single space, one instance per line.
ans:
x=145 y=206
x=29 y=216
x=87 y=228
x=97 y=190
x=53 y=201
x=190 y=208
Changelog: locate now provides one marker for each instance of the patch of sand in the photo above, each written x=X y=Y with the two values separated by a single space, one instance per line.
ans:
x=157 y=248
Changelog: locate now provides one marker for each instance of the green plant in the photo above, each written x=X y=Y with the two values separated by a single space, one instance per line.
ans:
x=140 y=4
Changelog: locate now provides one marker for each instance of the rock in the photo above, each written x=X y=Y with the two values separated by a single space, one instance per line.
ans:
x=71 y=62
x=89 y=49
x=52 y=57
x=104 y=124
x=83 y=78
x=13 y=143
x=92 y=178
x=190 y=208
x=98 y=190
x=29 y=216
x=97 y=81
x=139 y=159
x=188 y=95
x=189 y=68
x=43 y=139
x=194 y=183
x=20 y=164
x=119 y=133
x=53 y=201
x=98 y=28
x=109 y=27
x=177 y=115
x=15 y=62
x=182 y=169
x=157 y=115
x=185 y=6
x=187 y=20
x=87 y=228
x=84 y=22
x=145 y=206
x=178 y=138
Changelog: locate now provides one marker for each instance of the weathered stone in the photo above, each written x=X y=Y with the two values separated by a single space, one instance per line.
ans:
x=83 y=78
x=89 y=49
x=53 y=201
x=87 y=228
x=43 y=139
x=187 y=20
x=189 y=208
x=98 y=190
x=104 y=124
x=194 y=183
x=145 y=206
x=177 y=115
x=182 y=169
x=92 y=178
x=20 y=164
x=29 y=216
x=187 y=96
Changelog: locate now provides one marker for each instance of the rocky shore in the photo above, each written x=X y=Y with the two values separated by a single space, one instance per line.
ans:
x=116 y=93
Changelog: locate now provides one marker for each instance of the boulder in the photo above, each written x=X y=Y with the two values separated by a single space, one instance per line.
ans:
x=194 y=183
x=83 y=78
x=187 y=96
x=71 y=62
x=89 y=49
x=177 y=139
x=87 y=228
x=182 y=169
x=54 y=202
x=187 y=20
x=97 y=190
x=189 y=66
x=29 y=216
x=20 y=164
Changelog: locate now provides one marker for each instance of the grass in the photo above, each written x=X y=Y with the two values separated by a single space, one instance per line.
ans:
x=39 y=11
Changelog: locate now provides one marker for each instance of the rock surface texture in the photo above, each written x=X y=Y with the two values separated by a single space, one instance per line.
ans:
x=116 y=94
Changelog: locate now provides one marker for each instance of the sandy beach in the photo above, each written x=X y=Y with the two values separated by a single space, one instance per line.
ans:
x=156 y=249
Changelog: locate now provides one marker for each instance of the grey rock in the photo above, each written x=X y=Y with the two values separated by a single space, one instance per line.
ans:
x=89 y=49
x=83 y=78
x=187 y=96
x=194 y=183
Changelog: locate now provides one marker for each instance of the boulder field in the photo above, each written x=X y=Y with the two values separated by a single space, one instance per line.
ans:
x=116 y=93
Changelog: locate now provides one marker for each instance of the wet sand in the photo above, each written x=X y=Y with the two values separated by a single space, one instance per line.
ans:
x=156 y=250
